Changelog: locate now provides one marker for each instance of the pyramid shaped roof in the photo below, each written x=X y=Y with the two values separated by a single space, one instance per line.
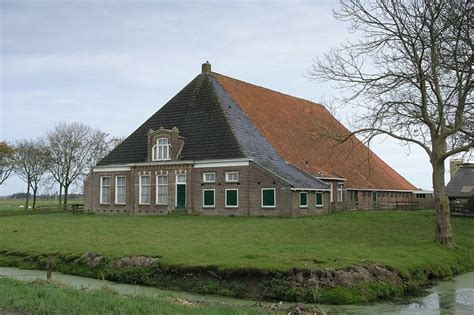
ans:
x=225 y=118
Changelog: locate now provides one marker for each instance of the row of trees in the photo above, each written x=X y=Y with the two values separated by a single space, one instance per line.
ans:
x=64 y=156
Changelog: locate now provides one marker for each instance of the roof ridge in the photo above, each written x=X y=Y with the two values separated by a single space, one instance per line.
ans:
x=270 y=90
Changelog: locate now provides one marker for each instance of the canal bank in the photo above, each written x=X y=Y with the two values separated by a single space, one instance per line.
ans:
x=454 y=296
x=361 y=284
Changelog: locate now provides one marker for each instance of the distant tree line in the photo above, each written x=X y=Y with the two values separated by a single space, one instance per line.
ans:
x=61 y=158
x=22 y=195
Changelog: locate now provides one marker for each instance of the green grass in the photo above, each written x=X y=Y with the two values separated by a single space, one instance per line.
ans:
x=400 y=239
x=40 y=297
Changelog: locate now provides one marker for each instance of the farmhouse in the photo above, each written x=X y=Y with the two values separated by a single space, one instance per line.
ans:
x=224 y=146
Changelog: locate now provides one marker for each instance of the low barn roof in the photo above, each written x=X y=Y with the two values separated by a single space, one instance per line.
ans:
x=461 y=184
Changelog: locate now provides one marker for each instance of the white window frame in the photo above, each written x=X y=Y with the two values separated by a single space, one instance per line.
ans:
x=165 y=148
x=231 y=180
x=203 y=200
x=140 y=190
x=340 y=192
x=331 y=195
x=208 y=181
x=101 y=201
x=226 y=205
x=116 y=190
x=274 y=198
x=316 y=200
x=157 y=193
x=307 y=201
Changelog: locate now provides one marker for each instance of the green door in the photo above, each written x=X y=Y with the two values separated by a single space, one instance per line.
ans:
x=180 y=196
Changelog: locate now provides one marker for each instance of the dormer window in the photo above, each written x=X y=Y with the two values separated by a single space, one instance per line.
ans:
x=161 y=150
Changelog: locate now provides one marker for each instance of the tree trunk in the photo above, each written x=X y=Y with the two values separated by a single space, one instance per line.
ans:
x=66 y=188
x=444 y=230
x=34 y=197
x=60 y=194
x=27 y=195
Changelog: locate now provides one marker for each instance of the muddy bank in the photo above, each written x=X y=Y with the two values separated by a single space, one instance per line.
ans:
x=355 y=285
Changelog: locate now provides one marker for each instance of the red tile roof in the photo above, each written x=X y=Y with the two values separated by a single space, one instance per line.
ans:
x=303 y=134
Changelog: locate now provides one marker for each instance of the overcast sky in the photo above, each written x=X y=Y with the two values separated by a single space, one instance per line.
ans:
x=112 y=64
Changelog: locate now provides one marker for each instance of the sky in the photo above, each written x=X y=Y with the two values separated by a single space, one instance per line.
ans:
x=112 y=64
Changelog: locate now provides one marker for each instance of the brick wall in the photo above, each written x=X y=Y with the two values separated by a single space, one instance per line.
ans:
x=252 y=179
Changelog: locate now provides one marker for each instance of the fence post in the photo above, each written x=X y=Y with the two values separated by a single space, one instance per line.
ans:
x=49 y=268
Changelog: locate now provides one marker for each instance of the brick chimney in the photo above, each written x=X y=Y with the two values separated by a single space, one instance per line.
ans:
x=206 y=67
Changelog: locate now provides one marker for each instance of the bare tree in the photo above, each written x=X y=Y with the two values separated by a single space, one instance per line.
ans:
x=6 y=161
x=410 y=74
x=30 y=166
x=72 y=149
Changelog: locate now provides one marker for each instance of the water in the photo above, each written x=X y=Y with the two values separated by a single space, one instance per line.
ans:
x=454 y=296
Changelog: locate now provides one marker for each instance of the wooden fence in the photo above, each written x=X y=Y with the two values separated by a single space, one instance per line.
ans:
x=355 y=205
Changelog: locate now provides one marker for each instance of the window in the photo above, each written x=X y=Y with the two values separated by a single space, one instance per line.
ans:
x=208 y=198
x=353 y=195
x=145 y=187
x=120 y=189
x=303 y=199
x=319 y=199
x=232 y=176
x=340 y=192
x=162 y=190
x=231 y=198
x=180 y=179
x=161 y=150
x=105 y=189
x=375 y=196
x=268 y=198
x=209 y=177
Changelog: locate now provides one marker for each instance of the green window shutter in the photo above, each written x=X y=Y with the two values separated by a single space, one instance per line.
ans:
x=319 y=199
x=303 y=199
x=268 y=198
x=231 y=198
x=209 y=198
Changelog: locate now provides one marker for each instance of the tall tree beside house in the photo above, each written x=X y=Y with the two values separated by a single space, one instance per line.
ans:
x=72 y=149
x=410 y=70
x=6 y=161
x=30 y=166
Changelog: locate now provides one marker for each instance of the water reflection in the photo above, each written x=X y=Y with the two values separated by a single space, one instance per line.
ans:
x=454 y=296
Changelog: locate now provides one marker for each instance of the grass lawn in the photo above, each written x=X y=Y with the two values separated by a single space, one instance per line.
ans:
x=40 y=297
x=400 y=239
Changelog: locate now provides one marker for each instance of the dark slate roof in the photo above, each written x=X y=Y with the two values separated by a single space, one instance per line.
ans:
x=461 y=184
x=196 y=112
x=256 y=147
